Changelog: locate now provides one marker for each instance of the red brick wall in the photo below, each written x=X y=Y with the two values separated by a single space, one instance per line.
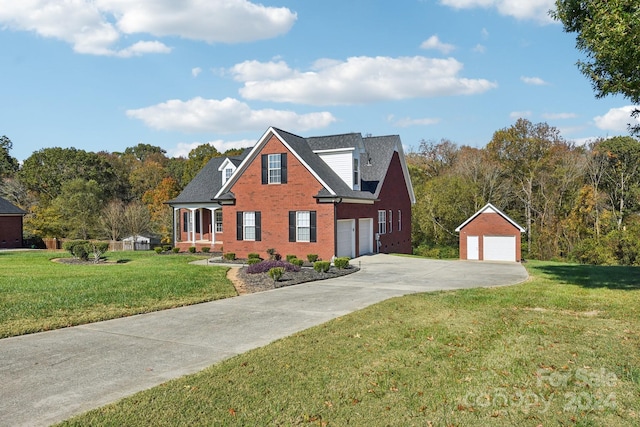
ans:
x=274 y=201
x=489 y=224
x=10 y=232
x=393 y=196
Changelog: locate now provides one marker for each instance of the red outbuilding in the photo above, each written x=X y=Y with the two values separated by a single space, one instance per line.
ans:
x=490 y=235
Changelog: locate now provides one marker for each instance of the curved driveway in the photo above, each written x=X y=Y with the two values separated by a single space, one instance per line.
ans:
x=51 y=376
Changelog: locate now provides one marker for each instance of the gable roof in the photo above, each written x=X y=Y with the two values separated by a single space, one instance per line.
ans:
x=8 y=208
x=489 y=208
x=206 y=183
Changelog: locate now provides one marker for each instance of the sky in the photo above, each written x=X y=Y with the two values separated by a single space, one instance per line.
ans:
x=104 y=75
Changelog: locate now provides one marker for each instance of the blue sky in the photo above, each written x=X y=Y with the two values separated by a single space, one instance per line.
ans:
x=109 y=74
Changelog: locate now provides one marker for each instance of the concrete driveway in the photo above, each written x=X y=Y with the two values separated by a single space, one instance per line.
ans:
x=51 y=376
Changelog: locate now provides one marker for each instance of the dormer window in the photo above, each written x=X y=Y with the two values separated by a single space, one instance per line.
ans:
x=356 y=174
x=227 y=174
x=227 y=168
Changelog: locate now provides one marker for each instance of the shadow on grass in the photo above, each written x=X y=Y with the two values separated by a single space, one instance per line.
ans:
x=594 y=276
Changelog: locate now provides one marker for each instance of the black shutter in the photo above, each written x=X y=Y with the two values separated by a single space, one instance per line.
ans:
x=197 y=221
x=292 y=226
x=265 y=169
x=312 y=222
x=258 y=227
x=239 y=225
x=283 y=168
x=185 y=221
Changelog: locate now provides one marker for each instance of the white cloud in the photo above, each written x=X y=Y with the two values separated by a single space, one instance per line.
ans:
x=617 y=119
x=96 y=26
x=184 y=148
x=408 y=121
x=224 y=116
x=559 y=116
x=195 y=72
x=479 y=48
x=520 y=114
x=536 y=10
x=434 y=42
x=535 y=81
x=357 y=80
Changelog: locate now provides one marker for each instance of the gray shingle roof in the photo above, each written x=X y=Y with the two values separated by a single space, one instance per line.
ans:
x=334 y=142
x=8 y=208
x=206 y=183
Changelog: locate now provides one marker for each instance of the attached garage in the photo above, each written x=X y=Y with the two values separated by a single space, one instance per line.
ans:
x=490 y=235
x=346 y=238
x=365 y=236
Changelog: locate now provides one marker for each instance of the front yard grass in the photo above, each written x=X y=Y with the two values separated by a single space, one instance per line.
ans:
x=560 y=349
x=37 y=294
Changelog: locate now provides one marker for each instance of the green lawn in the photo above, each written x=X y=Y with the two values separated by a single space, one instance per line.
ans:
x=37 y=294
x=561 y=349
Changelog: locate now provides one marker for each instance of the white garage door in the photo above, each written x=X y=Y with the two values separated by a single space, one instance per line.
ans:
x=499 y=248
x=365 y=235
x=346 y=238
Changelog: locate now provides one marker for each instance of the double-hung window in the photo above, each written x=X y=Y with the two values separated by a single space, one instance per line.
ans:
x=274 y=168
x=302 y=226
x=382 y=222
x=399 y=220
x=248 y=226
x=218 y=220
x=390 y=221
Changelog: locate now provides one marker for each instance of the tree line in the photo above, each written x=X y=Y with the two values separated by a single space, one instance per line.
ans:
x=579 y=203
x=76 y=194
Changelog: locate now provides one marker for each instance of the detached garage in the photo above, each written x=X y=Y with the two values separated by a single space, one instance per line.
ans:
x=490 y=235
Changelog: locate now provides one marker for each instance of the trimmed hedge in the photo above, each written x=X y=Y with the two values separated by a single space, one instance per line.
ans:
x=341 y=263
x=266 y=265
x=321 y=266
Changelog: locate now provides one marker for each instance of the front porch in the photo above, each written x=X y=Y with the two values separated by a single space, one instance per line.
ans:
x=198 y=226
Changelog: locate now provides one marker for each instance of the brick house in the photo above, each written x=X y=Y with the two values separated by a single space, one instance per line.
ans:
x=11 y=219
x=339 y=195
x=490 y=235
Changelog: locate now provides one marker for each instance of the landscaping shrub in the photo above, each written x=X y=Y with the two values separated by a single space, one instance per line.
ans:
x=175 y=250
x=158 y=249
x=312 y=258
x=77 y=248
x=289 y=257
x=266 y=265
x=276 y=273
x=206 y=250
x=230 y=256
x=192 y=249
x=341 y=263
x=166 y=248
x=297 y=262
x=272 y=253
x=321 y=266
x=254 y=255
x=252 y=261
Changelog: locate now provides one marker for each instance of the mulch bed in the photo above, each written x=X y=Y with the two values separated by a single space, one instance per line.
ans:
x=262 y=282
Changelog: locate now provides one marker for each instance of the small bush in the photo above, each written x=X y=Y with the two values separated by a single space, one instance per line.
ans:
x=175 y=250
x=166 y=248
x=253 y=255
x=321 y=266
x=192 y=249
x=158 y=249
x=272 y=253
x=77 y=248
x=206 y=250
x=297 y=262
x=289 y=257
x=266 y=265
x=276 y=273
x=341 y=263
x=252 y=261
x=229 y=256
x=312 y=258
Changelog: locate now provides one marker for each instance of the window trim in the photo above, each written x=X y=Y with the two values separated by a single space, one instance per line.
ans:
x=265 y=165
x=382 y=222
x=293 y=227
x=399 y=220
x=241 y=226
x=217 y=222
x=390 y=221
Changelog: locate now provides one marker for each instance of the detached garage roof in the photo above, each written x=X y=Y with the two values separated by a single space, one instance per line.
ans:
x=7 y=208
x=489 y=208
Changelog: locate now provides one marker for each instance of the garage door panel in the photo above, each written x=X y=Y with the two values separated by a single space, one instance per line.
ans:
x=499 y=248
x=365 y=233
x=346 y=238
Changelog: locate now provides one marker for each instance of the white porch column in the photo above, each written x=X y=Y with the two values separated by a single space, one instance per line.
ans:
x=192 y=226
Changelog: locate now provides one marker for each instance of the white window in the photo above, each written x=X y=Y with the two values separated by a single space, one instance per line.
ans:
x=399 y=220
x=382 y=222
x=218 y=221
x=356 y=173
x=303 y=226
x=227 y=174
x=249 y=225
x=390 y=221
x=275 y=165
